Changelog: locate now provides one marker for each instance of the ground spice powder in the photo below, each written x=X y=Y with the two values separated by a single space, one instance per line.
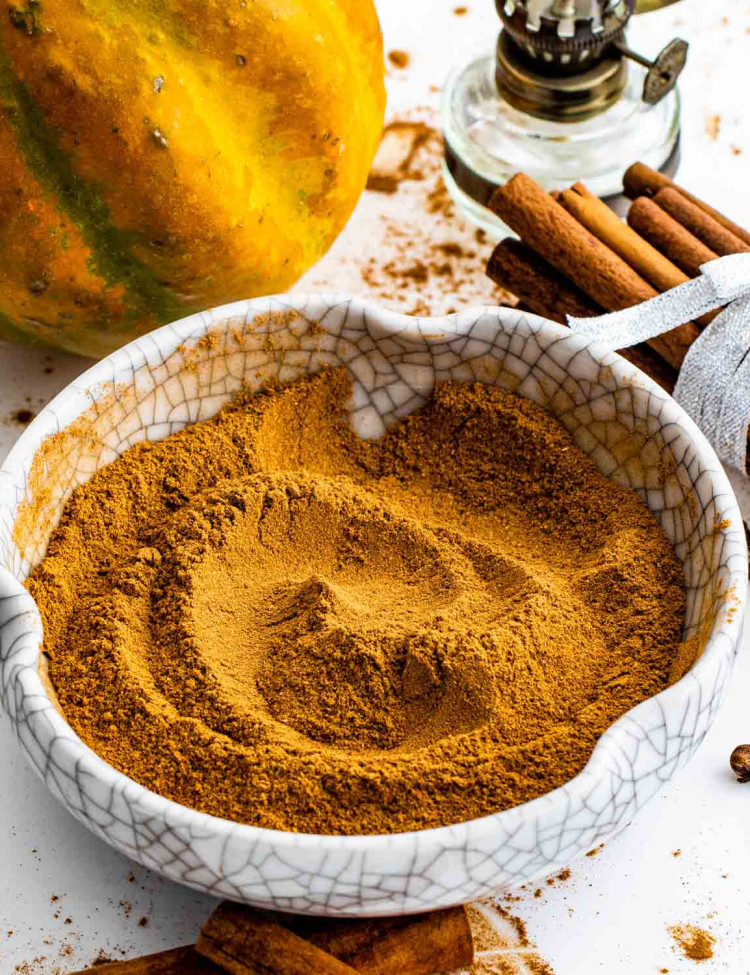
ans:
x=265 y=618
x=694 y=943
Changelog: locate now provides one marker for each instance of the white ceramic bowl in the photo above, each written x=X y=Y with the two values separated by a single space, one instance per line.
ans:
x=636 y=434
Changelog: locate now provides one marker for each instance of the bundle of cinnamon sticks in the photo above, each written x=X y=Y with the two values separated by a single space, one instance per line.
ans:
x=243 y=941
x=576 y=257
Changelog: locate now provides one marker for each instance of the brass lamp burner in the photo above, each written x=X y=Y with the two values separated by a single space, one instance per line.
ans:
x=566 y=60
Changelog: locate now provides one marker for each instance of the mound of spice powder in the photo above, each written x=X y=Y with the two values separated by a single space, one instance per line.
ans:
x=266 y=618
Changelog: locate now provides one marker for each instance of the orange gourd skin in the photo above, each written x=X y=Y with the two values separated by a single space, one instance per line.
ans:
x=158 y=157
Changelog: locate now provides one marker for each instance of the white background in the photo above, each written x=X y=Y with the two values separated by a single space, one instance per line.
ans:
x=613 y=913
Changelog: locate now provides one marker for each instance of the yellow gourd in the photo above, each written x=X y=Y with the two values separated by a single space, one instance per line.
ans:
x=162 y=156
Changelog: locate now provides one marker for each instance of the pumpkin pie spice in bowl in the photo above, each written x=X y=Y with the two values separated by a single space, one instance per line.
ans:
x=380 y=635
x=433 y=586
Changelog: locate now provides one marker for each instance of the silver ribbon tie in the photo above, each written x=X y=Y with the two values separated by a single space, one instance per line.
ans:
x=714 y=381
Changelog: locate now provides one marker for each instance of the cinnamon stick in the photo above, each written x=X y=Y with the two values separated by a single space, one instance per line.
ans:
x=246 y=942
x=176 y=961
x=239 y=939
x=554 y=234
x=700 y=224
x=439 y=941
x=420 y=945
x=670 y=237
x=604 y=223
x=641 y=180
x=515 y=266
x=546 y=292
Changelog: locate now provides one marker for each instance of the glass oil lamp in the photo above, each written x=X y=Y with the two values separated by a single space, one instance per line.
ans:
x=563 y=99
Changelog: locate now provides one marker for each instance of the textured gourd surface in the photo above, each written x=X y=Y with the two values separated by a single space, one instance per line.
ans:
x=162 y=156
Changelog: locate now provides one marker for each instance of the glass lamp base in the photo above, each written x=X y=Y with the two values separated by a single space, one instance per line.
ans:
x=487 y=141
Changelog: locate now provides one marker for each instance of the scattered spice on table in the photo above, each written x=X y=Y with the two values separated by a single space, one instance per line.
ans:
x=422 y=257
x=395 y=159
x=713 y=126
x=399 y=59
x=502 y=943
x=694 y=943
x=266 y=618
x=22 y=417
x=34 y=967
x=100 y=958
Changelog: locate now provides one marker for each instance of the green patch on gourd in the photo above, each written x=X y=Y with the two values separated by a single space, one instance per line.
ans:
x=111 y=248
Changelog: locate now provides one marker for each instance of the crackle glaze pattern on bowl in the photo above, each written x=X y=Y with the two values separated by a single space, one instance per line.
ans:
x=183 y=373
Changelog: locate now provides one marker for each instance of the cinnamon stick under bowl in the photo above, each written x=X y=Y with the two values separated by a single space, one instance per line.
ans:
x=634 y=432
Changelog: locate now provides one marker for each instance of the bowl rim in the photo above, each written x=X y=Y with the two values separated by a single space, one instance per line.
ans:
x=166 y=339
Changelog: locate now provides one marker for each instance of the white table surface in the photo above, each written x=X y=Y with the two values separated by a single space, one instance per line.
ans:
x=612 y=914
